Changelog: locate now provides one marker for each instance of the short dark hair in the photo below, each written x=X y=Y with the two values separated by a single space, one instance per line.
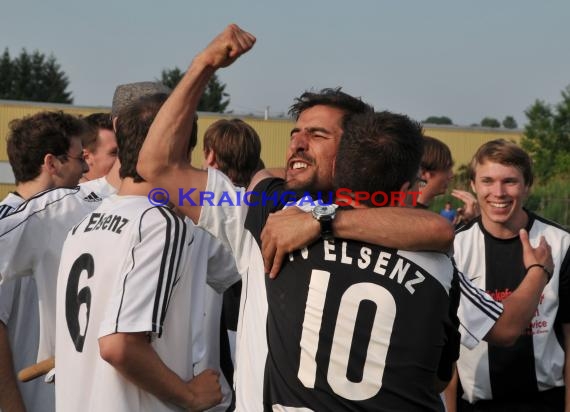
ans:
x=31 y=138
x=133 y=124
x=332 y=98
x=96 y=121
x=437 y=156
x=506 y=153
x=237 y=147
x=378 y=152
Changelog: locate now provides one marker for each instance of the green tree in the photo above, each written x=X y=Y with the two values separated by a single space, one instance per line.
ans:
x=490 y=122
x=6 y=78
x=547 y=136
x=33 y=77
x=510 y=123
x=213 y=98
x=438 y=120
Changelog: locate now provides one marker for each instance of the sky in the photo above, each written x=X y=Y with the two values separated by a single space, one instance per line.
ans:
x=461 y=59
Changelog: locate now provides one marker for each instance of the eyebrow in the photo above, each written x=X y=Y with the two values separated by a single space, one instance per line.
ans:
x=311 y=130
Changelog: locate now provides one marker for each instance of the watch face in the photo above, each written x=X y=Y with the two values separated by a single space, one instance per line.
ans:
x=324 y=210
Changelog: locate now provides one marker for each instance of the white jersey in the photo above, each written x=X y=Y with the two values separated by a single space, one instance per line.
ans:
x=30 y=243
x=132 y=260
x=97 y=188
x=535 y=362
x=19 y=312
x=227 y=223
x=213 y=270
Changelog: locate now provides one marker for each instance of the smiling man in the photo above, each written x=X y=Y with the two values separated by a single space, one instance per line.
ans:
x=532 y=373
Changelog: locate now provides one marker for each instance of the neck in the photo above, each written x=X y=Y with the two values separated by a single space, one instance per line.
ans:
x=28 y=189
x=506 y=230
x=129 y=188
x=113 y=177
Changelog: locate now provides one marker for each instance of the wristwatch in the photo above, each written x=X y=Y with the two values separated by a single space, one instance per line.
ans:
x=325 y=215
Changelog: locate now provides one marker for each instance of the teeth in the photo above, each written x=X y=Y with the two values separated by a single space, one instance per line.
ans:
x=499 y=205
x=299 y=165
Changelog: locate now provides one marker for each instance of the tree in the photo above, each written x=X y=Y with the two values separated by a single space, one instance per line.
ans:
x=510 y=123
x=33 y=77
x=213 y=98
x=490 y=122
x=438 y=120
x=547 y=137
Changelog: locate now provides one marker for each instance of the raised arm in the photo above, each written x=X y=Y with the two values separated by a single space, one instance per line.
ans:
x=163 y=158
x=397 y=227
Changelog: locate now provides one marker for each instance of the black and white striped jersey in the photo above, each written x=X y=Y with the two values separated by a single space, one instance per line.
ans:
x=535 y=363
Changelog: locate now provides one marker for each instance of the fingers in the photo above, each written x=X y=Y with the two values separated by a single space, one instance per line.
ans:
x=277 y=263
x=240 y=41
x=523 y=234
x=268 y=250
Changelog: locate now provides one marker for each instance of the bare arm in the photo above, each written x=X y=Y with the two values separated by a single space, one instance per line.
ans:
x=162 y=159
x=400 y=228
x=133 y=356
x=520 y=307
x=266 y=173
x=450 y=393
x=10 y=396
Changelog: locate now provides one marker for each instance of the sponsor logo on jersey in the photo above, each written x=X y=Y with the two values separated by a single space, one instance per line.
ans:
x=92 y=197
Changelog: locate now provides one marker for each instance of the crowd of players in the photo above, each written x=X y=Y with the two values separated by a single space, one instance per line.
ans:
x=354 y=308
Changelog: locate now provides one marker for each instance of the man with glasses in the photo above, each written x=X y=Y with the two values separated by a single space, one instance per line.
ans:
x=45 y=151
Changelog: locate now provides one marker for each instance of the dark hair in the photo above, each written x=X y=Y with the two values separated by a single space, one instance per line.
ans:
x=133 y=124
x=96 y=121
x=237 y=148
x=378 y=152
x=437 y=156
x=332 y=98
x=505 y=153
x=31 y=138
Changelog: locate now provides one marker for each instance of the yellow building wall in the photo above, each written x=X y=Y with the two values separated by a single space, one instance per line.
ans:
x=274 y=133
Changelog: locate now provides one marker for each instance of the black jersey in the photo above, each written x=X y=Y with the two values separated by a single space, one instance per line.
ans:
x=358 y=327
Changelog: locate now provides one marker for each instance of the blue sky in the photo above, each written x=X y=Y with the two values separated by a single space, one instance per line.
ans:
x=465 y=60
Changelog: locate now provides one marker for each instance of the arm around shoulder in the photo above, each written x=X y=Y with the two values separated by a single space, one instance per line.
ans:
x=396 y=227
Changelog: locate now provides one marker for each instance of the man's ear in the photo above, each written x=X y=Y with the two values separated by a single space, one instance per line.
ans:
x=210 y=159
x=51 y=164
x=88 y=158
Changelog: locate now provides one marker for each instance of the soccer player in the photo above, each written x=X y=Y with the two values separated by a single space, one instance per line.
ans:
x=31 y=239
x=314 y=142
x=131 y=348
x=352 y=326
x=100 y=146
x=532 y=374
x=44 y=150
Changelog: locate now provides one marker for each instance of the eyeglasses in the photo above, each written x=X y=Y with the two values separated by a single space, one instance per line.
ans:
x=66 y=156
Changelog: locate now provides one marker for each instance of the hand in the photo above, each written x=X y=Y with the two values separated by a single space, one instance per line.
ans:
x=542 y=254
x=206 y=390
x=470 y=209
x=284 y=232
x=226 y=47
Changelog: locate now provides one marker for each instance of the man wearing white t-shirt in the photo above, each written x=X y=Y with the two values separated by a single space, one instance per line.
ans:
x=128 y=263
x=45 y=152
